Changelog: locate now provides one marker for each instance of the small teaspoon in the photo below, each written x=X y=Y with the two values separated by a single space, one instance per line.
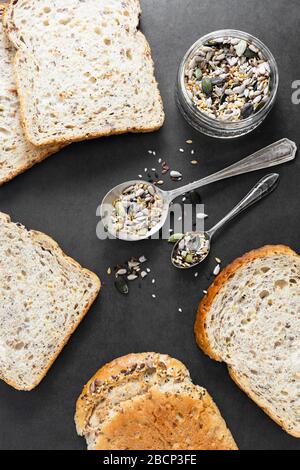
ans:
x=200 y=242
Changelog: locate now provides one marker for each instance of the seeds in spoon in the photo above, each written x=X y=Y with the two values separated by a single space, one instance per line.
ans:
x=191 y=250
x=137 y=210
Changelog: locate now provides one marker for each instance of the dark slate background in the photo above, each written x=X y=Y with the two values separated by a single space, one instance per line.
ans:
x=60 y=197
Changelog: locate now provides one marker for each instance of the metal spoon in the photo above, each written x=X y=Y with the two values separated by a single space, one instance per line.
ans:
x=193 y=242
x=279 y=152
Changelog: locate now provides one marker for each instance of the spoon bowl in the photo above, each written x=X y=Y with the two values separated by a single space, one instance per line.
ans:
x=107 y=207
x=198 y=237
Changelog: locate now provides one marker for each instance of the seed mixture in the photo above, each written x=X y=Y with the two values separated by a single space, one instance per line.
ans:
x=229 y=79
x=137 y=210
x=192 y=249
x=129 y=272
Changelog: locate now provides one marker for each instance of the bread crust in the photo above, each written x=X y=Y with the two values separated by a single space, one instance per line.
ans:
x=65 y=140
x=206 y=303
x=220 y=281
x=256 y=400
x=126 y=368
x=49 y=243
x=43 y=153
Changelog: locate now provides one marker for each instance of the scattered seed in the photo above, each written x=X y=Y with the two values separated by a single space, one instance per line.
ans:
x=180 y=310
x=181 y=150
x=189 y=142
x=194 y=162
x=218 y=260
x=122 y=286
x=201 y=216
x=108 y=271
x=142 y=259
x=205 y=292
x=148 y=270
x=144 y=274
x=153 y=281
x=132 y=277
x=121 y=272
x=196 y=274
x=153 y=296
x=175 y=175
x=217 y=270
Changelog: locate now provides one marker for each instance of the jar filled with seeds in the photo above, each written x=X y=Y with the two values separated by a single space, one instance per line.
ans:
x=227 y=84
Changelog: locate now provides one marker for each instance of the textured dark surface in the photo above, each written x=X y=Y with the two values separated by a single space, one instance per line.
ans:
x=60 y=197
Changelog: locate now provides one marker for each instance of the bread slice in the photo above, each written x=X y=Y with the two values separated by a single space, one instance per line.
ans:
x=250 y=319
x=16 y=153
x=148 y=401
x=44 y=296
x=83 y=69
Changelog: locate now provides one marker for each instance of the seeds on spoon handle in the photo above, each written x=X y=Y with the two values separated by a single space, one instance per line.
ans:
x=191 y=250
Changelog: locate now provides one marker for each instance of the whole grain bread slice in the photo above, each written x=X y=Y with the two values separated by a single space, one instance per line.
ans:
x=44 y=296
x=250 y=319
x=137 y=387
x=83 y=69
x=16 y=153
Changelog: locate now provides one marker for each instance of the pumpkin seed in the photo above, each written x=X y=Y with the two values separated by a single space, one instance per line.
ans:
x=207 y=86
x=247 y=110
x=249 y=53
x=198 y=74
x=175 y=237
x=241 y=47
x=122 y=286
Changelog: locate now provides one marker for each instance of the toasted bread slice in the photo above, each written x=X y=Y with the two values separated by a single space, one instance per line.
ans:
x=148 y=401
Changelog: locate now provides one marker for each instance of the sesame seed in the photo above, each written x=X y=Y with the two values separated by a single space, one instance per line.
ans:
x=153 y=296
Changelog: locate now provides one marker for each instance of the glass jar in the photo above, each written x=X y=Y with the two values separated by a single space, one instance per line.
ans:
x=216 y=127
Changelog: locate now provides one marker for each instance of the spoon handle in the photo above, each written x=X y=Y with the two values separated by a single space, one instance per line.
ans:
x=264 y=187
x=279 y=152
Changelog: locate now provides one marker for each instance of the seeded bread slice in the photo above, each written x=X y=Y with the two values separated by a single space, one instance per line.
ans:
x=91 y=75
x=250 y=319
x=16 y=153
x=44 y=296
x=127 y=385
